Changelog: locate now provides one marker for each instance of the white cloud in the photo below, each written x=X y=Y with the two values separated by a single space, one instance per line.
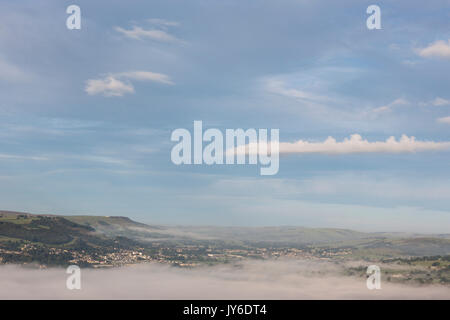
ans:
x=390 y=106
x=109 y=87
x=444 y=120
x=439 y=49
x=139 y=33
x=159 y=32
x=354 y=144
x=118 y=84
x=438 y=102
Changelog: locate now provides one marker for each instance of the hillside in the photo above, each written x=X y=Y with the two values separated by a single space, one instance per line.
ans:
x=109 y=240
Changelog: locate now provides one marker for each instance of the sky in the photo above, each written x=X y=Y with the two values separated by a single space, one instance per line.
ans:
x=86 y=115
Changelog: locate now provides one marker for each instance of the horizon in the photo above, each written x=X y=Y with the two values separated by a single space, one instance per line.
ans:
x=149 y=223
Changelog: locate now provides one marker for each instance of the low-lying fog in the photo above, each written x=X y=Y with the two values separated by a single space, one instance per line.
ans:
x=250 y=280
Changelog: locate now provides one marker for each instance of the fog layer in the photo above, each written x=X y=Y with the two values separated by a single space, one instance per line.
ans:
x=249 y=280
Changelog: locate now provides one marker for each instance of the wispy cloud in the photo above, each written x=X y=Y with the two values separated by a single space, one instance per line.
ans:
x=100 y=159
x=280 y=87
x=140 y=33
x=56 y=157
x=163 y=22
x=20 y=157
x=445 y=120
x=145 y=76
x=438 y=102
x=108 y=86
x=118 y=84
x=11 y=73
x=390 y=106
x=440 y=49
x=158 y=32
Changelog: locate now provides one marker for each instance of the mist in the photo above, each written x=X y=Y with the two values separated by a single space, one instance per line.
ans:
x=248 y=280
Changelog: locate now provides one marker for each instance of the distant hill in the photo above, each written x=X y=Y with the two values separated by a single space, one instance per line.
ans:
x=51 y=230
x=96 y=221
x=113 y=231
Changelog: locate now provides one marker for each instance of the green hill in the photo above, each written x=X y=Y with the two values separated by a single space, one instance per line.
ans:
x=105 y=234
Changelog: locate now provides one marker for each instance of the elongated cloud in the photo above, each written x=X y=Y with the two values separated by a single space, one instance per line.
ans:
x=146 y=76
x=19 y=157
x=390 y=106
x=118 y=84
x=139 y=33
x=280 y=87
x=439 y=102
x=158 y=32
x=439 y=49
x=354 y=144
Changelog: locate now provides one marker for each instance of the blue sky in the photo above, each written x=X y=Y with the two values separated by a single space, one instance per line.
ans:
x=86 y=115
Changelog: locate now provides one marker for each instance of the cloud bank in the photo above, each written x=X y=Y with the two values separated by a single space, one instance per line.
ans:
x=249 y=280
